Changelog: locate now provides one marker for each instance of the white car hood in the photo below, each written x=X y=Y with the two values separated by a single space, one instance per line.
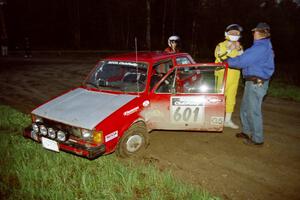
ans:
x=82 y=108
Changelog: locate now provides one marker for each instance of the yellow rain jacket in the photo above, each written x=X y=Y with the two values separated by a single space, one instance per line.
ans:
x=222 y=53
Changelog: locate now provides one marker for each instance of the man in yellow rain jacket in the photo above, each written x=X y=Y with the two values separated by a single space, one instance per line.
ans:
x=229 y=48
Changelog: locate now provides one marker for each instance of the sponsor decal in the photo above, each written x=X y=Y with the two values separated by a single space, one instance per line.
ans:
x=111 y=136
x=129 y=112
x=216 y=120
x=188 y=101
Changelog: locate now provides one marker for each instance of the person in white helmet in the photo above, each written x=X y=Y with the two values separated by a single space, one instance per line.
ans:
x=173 y=43
x=229 y=48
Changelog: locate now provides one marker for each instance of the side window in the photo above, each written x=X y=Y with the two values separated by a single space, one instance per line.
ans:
x=182 y=61
x=199 y=80
x=159 y=70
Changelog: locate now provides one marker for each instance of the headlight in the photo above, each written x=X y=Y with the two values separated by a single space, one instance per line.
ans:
x=61 y=136
x=86 y=134
x=35 y=127
x=51 y=133
x=43 y=130
x=36 y=119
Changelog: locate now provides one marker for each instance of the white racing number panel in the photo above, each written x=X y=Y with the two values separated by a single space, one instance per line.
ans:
x=187 y=109
x=50 y=144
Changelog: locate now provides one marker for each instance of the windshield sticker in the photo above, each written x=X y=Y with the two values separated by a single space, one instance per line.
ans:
x=187 y=110
x=123 y=63
x=129 y=112
x=111 y=136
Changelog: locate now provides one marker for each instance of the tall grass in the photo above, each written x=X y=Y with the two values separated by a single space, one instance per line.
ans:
x=27 y=171
x=11 y=119
x=283 y=90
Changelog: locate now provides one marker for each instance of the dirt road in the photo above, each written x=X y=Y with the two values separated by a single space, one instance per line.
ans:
x=218 y=162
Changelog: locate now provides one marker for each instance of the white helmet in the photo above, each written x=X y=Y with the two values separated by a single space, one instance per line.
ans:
x=173 y=38
x=235 y=27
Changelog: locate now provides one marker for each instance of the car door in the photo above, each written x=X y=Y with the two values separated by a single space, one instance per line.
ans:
x=189 y=97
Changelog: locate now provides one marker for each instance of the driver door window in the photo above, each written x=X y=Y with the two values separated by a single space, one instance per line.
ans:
x=204 y=79
x=159 y=70
x=200 y=80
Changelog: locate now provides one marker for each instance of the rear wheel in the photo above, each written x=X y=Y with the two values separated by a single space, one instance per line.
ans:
x=134 y=141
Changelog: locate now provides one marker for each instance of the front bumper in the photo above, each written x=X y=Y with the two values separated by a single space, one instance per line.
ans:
x=71 y=146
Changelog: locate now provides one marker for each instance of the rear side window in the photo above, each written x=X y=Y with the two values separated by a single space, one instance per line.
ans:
x=182 y=61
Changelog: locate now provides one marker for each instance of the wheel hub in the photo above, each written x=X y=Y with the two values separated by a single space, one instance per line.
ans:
x=134 y=143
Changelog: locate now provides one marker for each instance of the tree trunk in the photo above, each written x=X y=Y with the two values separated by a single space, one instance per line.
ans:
x=128 y=30
x=174 y=17
x=163 y=28
x=3 y=32
x=74 y=20
x=148 y=23
x=194 y=28
x=76 y=31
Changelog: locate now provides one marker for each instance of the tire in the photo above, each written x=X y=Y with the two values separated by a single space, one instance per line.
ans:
x=134 y=141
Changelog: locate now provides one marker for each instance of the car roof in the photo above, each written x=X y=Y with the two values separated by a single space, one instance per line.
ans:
x=152 y=56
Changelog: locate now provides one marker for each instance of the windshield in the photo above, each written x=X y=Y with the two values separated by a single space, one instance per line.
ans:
x=120 y=76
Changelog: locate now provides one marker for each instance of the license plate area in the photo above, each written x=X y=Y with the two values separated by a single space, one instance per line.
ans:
x=50 y=144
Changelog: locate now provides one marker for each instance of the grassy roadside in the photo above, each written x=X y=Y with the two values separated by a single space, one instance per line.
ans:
x=27 y=171
x=282 y=90
x=278 y=89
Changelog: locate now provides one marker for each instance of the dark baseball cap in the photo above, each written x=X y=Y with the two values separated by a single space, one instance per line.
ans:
x=261 y=26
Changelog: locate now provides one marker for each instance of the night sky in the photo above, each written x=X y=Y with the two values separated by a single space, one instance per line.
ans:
x=113 y=24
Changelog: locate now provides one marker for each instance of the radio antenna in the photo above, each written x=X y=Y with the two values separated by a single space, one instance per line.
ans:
x=137 y=66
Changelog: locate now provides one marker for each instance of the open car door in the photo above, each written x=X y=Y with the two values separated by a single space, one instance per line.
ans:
x=189 y=97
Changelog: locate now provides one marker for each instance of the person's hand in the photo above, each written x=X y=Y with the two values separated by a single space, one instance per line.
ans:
x=230 y=46
x=234 y=45
x=237 y=45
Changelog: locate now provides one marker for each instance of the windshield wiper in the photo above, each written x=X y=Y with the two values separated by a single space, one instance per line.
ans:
x=92 y=84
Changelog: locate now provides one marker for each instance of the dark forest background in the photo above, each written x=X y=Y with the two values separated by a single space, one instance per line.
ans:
x=113 y=24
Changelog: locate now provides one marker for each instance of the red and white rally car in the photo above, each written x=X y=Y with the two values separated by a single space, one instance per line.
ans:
x=125 y=97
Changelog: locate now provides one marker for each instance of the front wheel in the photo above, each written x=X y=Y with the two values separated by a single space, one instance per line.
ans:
x=134 y=141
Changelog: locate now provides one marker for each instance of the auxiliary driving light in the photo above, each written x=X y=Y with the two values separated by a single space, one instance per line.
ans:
x=61 y=136
x=43 y=130
x=35 y=127
x=51 y=133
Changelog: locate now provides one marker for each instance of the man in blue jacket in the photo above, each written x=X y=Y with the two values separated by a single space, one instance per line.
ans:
x=257 y=64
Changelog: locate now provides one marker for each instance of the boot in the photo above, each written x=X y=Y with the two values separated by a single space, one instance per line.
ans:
x=228 y=122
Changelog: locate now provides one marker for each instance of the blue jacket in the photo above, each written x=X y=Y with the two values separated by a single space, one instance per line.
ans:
x=258 y=60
